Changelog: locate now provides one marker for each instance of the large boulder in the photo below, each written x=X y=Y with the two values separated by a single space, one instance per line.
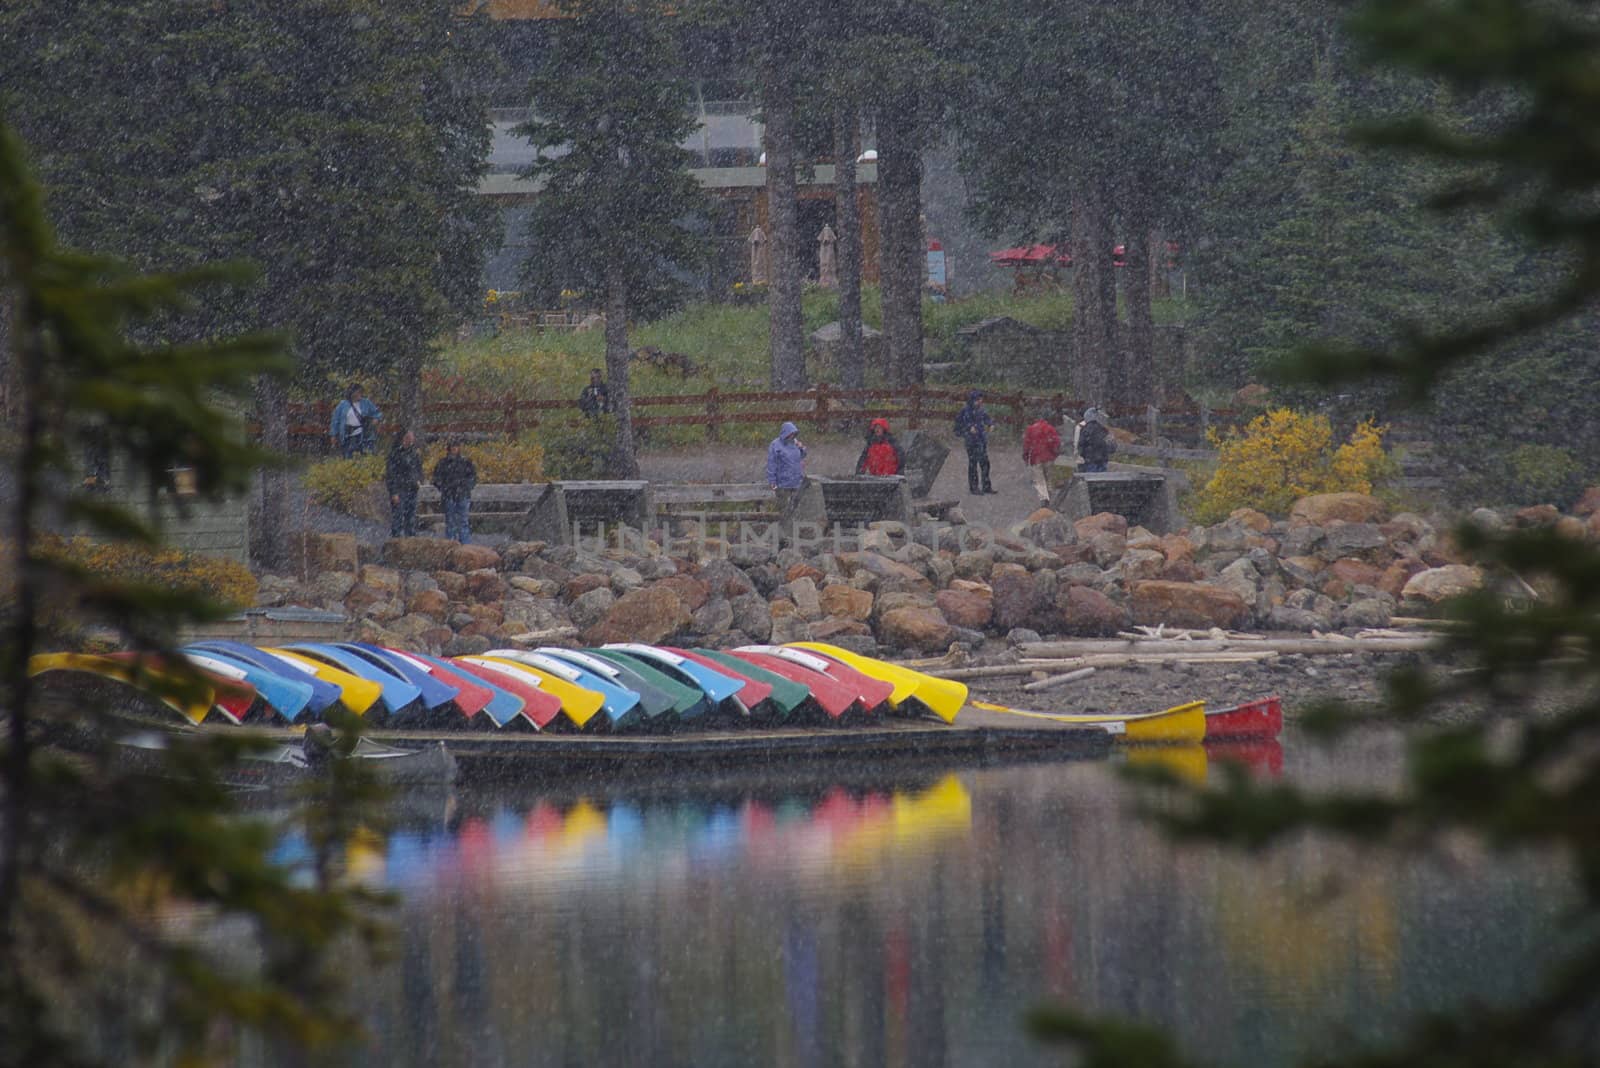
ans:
x=1107 y=546
x=714 y=617
x=1091 y=525
x=578 y=585
x=803 y=592
x=1355 y=573
x=1187 y=604
x=845 y=601
x=832 y=629
x=431 y=604
x=1242 y=578
x=1362 y=540
x=971 y=607
x=1088 y=612
x=1320 y=509
x=419 y=554
x=648 y=615
x=1442 y=583
x=1015 y=596
x=1588 y=504
x=591 y=607
x=386 y=580
x=1137 y=564
x=691 y=591
x=924 y=629
x=332 y=552
x=751 y=616
x=485 y=585
x=890 y=575
x=1251 y=520
x=473 y=558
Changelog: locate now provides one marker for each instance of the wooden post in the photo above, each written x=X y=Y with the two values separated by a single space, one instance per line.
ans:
x=1152 y=422
x=1205 y=425
x=713 y=414
x=916 y=405
x=820 y=411
x=511 y=420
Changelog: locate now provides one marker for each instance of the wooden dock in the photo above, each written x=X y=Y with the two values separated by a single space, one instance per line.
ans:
x=977 y=735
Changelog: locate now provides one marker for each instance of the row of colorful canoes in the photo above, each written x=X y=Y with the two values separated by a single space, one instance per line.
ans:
x=619 y=687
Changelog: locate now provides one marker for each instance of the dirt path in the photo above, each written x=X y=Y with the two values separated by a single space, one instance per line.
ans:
x=1012 y=501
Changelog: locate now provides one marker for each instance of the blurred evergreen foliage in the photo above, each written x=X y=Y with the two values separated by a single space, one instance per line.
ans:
x=97 y=858
x=1515 y=765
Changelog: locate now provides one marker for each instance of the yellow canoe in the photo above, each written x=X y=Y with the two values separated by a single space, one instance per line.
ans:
x=577 y=704
x=130 y=672
x=355 y=693
x=945 y=697
x=1183 y=724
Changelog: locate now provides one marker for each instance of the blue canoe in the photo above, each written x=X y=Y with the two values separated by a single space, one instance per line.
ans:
x=502 y=708
x=717 y=686
x=287 y=697
x=620 y=704
x=653 y=700
x=397 y=692
x=323 y=694
x=434 y=692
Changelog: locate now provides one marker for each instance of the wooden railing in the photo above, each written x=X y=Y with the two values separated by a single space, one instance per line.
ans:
x=821 y=407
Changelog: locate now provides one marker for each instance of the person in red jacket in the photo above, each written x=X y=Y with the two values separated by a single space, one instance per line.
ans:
x=882 y=455
x=1041 y=444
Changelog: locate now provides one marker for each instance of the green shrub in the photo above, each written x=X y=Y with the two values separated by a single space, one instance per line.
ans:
x=1544 y=474
x=581 y=450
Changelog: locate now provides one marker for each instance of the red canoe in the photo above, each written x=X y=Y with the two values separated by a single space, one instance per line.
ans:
x=1253 y=719
x=470 y=696
x=869 y=691
x=835 y=697
x=538 y=707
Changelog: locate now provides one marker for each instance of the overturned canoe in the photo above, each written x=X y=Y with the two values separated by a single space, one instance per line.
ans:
x=1183 y=724
x=943 y=697
x=1262 y=718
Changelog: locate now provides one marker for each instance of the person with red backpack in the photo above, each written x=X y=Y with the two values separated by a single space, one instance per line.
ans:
x=1041 y=444
x=881 y=455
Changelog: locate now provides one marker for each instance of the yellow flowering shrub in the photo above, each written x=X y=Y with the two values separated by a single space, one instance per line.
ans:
x=222 y=579
x=348 y=485
x=344 y=485
x=521 y=460
x=1284 y=455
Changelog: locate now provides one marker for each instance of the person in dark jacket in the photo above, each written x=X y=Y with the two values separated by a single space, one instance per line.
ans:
x=454 y=476
x=881 y=455
x=1094 y=441
x=402 y=477
x=595 y=398
x=972 y=427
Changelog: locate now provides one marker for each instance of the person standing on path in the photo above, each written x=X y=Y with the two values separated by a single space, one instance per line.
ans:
x=354 y=427
x=1041 y=444
x=1094 y=442
x=402 y=477
x=454 y=476
x=972 y=427
x=881 y=455
x=786 y=466
x=595 y=398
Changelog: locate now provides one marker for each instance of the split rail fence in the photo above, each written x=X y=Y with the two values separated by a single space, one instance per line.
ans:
x=1178 y=433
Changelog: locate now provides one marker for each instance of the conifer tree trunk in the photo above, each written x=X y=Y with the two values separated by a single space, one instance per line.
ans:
x=900 y=211
x=619 y=357
x=1094 y=292
x=271 y=529
x=1141 y=381
x=847 y=212
x=786 y=325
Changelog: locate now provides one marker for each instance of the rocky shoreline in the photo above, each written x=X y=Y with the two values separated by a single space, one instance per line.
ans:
x=1338 y=562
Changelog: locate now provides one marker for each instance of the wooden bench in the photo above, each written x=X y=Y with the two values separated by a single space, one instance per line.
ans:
x=728 y=502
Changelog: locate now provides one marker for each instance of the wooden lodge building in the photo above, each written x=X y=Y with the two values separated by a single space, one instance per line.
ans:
x=726 y=148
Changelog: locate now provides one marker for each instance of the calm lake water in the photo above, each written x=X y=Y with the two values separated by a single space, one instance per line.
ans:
x=866 y=917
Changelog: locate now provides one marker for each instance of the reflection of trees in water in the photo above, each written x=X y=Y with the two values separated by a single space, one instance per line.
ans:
x=844 y=926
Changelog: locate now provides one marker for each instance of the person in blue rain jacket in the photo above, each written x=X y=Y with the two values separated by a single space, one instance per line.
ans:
x=786 y=466
x=354 y=427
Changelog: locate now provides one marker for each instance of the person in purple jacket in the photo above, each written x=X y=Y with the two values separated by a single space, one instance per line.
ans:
x=786 y=466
